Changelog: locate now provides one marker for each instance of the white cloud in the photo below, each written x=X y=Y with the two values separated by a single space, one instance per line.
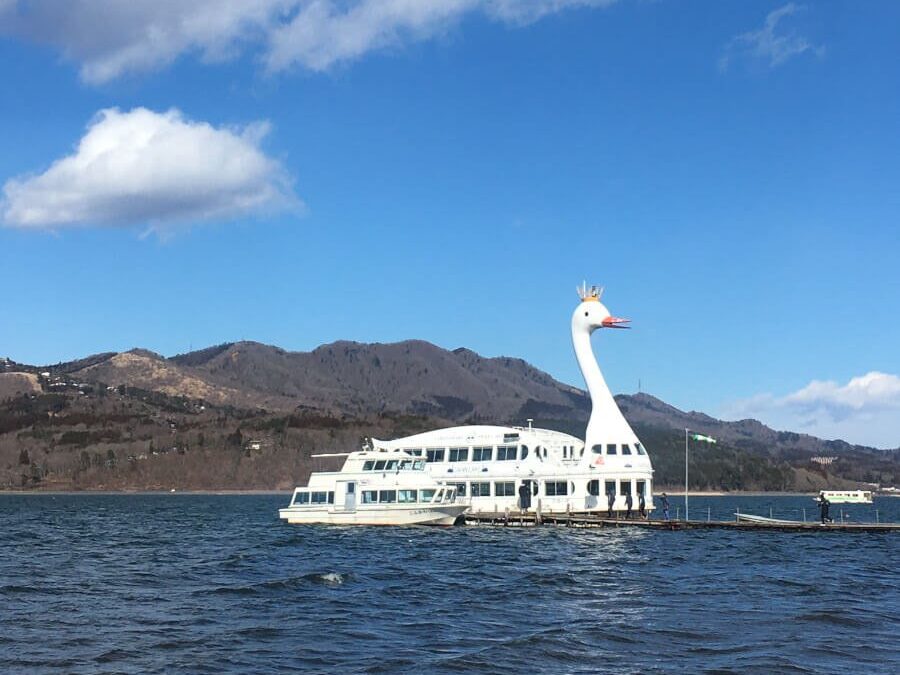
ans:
x=771 y=43
x=144 y=167
x=109 y=38
x=865 y=410
x=323 y=33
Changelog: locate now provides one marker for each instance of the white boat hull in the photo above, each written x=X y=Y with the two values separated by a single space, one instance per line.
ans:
x=421 y=514
x=847 y=496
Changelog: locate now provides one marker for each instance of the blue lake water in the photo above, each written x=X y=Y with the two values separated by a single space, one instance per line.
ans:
x=200 y=583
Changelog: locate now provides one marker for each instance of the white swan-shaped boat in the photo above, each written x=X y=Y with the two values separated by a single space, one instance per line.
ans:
x=489 y=465
x=499 y=469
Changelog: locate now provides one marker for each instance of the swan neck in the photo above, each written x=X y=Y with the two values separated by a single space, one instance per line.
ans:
x=590 y=370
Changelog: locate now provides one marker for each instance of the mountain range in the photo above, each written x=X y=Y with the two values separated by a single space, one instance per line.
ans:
x=340 y=386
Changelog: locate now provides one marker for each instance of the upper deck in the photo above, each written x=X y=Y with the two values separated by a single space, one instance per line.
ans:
x=503 y=450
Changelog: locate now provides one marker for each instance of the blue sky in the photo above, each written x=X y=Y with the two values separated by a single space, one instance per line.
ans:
x=451 y=170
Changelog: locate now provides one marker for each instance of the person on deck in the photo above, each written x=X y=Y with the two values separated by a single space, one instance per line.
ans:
x=665 y=506
x=642 y=504
x=610 y=500
x=628 y=504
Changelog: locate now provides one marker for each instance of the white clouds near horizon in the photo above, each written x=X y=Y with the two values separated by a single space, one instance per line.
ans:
x=142 y=167
x=109 y=39
x=772 y=44
x=865 y=410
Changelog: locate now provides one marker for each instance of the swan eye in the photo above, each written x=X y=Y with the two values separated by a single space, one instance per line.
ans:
x=585 y=313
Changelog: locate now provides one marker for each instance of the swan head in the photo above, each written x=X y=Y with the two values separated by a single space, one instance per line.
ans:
x=592 y=314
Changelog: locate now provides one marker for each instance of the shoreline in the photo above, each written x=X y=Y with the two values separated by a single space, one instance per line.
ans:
x=225 y=492
x=105 y=492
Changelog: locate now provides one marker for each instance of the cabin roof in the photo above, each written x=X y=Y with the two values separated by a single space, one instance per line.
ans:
x=478 y=433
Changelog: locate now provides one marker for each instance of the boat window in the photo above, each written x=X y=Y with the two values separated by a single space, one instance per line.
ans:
x=319 y=497
x=480 y=489
x=505 y=489
x=626 y=487
x=460 y=489
x=610 y=487
x=510 y=438
x=331 y=497
x=593 y=488
x=641 y=488
x=406 y=465
x=387 y=496
x=482 y=454
x=523 y=452
x=506 y=452
x=416 y=452
x=556 y=488
x=611 y=449
x=439 y=496
x=391 y=465
x=434 y=454
x=406 y=496
x=426 y=495
x=379 y=465
x=369 y=497
x=597 y=449
x=368 y=466
x=626 y=449
x=640 y=449
x=581 y=452
x=459 y=454
x=419 y=465
x=301 y=498
x=448 y=495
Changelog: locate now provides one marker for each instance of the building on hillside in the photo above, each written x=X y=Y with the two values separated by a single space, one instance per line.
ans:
x=824 y=461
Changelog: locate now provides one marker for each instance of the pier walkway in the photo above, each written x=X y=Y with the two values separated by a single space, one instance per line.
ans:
x=585 y=520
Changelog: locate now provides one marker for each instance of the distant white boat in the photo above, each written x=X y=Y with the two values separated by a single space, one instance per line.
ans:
x=847 y=496
x=375 y=488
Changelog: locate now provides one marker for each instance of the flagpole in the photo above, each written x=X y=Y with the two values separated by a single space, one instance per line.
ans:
x=686 y=474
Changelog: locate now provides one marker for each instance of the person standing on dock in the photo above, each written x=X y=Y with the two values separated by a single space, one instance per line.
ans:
x=628 y=504
x=610 y=500
x=524 y=496
x=824 y=508
x=665 y=506
x=642 y=505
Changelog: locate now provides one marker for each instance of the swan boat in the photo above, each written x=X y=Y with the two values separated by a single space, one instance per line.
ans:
x=374 y=489
x=500 y=468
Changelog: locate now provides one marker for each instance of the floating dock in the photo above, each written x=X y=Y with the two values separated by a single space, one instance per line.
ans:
x=593 y=521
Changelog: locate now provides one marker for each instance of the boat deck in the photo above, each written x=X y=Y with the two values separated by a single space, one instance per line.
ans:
x=593 y=521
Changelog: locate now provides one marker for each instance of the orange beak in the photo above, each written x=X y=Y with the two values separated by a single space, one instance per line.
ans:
x=615 y=322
